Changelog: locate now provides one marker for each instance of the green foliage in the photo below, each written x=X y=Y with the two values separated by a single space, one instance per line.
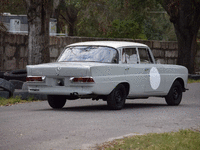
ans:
x=158 y=27
x=14 y=100
x=7 y=102
x=30 y=98
x=124 y=19
x=193 y=81
x=76 y=3
x=108 y=18
x=125 y=29
x=12 y=6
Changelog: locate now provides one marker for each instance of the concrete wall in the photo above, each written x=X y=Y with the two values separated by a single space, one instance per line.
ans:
x=13 y=50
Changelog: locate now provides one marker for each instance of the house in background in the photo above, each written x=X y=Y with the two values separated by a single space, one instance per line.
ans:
x=19 y=24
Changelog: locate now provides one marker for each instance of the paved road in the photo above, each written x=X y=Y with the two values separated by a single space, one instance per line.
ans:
x=85 y=123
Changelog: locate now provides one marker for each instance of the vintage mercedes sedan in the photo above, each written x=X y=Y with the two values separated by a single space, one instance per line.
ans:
x=109 y=70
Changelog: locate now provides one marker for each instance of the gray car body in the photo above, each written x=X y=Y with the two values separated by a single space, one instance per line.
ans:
x=140 y=79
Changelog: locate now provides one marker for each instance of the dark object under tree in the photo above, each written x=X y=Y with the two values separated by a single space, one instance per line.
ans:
x=16 y=75
x=7 y=86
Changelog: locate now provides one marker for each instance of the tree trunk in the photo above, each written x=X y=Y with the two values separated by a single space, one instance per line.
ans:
x=186 y=28
x=71 y=15
x=187 y=48
x=38 y=12
x=71 y=28
x=185 y=15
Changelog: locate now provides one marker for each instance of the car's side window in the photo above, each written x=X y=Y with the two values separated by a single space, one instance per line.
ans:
x=145 y=57
x=129 y=56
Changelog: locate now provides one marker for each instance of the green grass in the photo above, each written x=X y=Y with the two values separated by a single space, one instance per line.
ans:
x=193 y=81
x=182 y=140
x=12 y=101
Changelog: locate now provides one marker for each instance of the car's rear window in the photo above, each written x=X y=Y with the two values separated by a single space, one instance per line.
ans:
x=89 y=54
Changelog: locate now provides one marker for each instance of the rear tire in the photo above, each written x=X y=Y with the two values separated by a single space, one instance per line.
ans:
x=116 y=99
x=7 y=86
x=174 y=96
x=56 y=101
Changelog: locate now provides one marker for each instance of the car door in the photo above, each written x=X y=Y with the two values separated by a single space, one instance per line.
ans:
x=153 y=73
x=133 y=71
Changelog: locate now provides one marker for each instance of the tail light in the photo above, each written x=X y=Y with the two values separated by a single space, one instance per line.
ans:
x=82 y=80
x=35 y=79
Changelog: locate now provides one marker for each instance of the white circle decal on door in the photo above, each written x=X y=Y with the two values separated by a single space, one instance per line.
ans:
x=154 y=78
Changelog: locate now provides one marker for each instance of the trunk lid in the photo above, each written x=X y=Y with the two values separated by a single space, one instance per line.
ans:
x=59 y=69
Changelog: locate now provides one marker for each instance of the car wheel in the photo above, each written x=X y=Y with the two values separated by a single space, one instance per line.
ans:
x=56 y=101
x=116 y=99
x=174 y=96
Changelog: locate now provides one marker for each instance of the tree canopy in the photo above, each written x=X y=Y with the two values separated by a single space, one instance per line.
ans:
x=114 y=18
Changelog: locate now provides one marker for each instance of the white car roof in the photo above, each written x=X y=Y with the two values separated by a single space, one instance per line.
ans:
x=114 y=44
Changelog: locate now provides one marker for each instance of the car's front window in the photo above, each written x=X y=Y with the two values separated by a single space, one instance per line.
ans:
x=89 y=54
